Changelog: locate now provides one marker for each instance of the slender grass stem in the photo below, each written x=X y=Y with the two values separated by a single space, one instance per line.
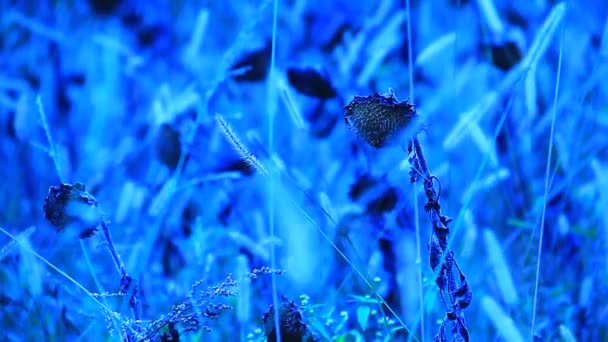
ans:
x=410 y=63
x=47 y=130
x=546 y=190
x=271 y=107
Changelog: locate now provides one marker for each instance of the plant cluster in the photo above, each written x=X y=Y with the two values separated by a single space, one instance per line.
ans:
x=224 y=181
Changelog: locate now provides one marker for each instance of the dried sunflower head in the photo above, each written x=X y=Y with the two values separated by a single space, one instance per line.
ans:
x=63 y=206
x=379 y=117
x=291 y=324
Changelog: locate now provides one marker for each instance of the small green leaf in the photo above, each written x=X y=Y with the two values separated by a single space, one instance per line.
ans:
x=365 y=299
x=363 y=316
x=319 y=328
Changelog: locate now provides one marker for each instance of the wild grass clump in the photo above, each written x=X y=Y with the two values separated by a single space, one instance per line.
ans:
x=227 y=198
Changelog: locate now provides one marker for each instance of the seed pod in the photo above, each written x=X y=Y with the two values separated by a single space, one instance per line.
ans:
x=310 y=82
x=168 y=146
x=504 y=55
x=257 y=64
x=151 y=35
x=104 y=8
x=385 y=202
x=363 y=183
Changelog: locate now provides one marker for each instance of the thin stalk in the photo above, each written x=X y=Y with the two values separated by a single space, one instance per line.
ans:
x=271 y=107
x=416 y=210
x=125 y=279
x=546 y=191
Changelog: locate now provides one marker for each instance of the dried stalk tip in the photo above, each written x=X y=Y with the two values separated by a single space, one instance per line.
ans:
x=379 y=117
x=59 y=199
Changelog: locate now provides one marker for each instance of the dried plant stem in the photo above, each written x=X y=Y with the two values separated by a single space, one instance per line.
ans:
x=442 y=259
x=125 y=280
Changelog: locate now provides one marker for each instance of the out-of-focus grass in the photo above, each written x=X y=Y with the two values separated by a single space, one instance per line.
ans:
x=128 y=102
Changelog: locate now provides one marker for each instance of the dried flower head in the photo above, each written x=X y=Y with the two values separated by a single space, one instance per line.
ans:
x=292 y=327
x=378 y=118
x=58 y=203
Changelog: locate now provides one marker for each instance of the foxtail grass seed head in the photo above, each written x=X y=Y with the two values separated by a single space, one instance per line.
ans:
x=378 y=118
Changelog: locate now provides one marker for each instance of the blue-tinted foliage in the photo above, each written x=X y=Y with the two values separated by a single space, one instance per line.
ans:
x=178 y=170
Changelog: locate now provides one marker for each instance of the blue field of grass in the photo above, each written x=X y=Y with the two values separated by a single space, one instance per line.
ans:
x=295 y=170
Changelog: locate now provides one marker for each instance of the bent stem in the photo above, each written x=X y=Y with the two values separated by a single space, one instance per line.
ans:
x=125 y=279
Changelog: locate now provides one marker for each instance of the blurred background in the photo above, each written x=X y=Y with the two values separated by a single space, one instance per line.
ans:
x=212 y=135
